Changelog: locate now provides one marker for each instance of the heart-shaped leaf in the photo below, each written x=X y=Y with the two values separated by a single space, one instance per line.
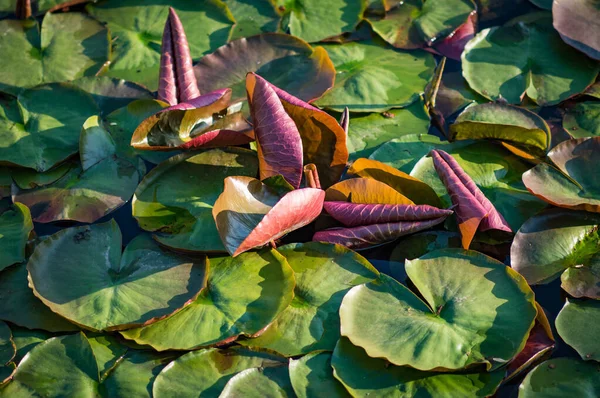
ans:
x=138 y=28
x=278 y=140
x=249 y=214
x=475 y=311
x=473 y=210
x=206 y=372
x=542 y=66
x=364 y=376
x=312 y=375
x=582 y=120
x=576 y=324
x=413 y=188
x=587 y=15
x=67 y=46
x=506 y=123
x=175 y=199
x=560 y=377
x=278 y=58
x=111 y=290
x=16 y=225
x=314 y=20
x=15 y=295
x=258 y=382
x=567 y=182
x=242 y=296
x=374 y=77
x=47 y=131
x=323 y=273
x=573 y=254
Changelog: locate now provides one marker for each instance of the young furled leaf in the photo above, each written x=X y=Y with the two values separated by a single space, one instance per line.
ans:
x=177 y=82
x=356 y=214
x=473 y=210
x=278 y=140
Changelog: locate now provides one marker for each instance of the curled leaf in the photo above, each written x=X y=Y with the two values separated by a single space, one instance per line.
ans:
x=473 y=210
x=278 y=141
x=312 y=176
x=249 y=214
x=356 y=214
x=454 y=44
x=365 y=190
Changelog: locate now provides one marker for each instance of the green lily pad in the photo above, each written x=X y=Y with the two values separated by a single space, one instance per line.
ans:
x=26 y=339
x=583 y=120
x=252 y=17
x=367 y=133
x=494 y=170
x=60 y=366
x=175 y=199
x=506 y=123
x=312 y=376
x=7 y=345
x=15 y=295
x=111 y=291
x=364 y=376
x=48 y=130
x=259 y=383
x=138 y=27
x=102 y=183
x=562 y=377
x=577 y=324
x=574 y=253
x=111 y=94
x=314 y=20
x=567 y=182
x=29 y=178
x=242 y=296
x=67 y=46
x=417 y=245
x=454 y=94
x=324 y=273
x=15 y=227
x=375 y=77
x=475 y=311
x=135 y=374
x=278 y=58
x=205 y=373
x=108 y=351
x=526 y=57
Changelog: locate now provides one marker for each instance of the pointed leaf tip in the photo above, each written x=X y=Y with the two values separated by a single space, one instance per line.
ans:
x=473 y=210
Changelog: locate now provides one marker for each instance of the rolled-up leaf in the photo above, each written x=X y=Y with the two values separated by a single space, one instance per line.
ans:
x=278 y=141
x=250 y=214
x=345 y=120
x=454 y=45
x=473 y=210
x=177 y=82
x=357 y=214
x=372 y=235
x=365 y=190
x=312 y=176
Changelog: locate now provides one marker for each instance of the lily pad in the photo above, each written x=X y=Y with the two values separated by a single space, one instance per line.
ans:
x=582 y=120
x=475 y=311
x=175 y=199
x=15 y=295
x=312 y=376
x=526 y=57
x=102 y=183
x=506 y=123
x=561 y=377
x=48 y=130
x=258 y=383
x=577 y=324
x=574 y=254
x=15 y=227
x=205 y=373
x=7 y=346
x=567 y=182
x=109 y=352
x=242 y=296
x=29 y=178
x=112 y=290
x=364 y=376
x=252 y=17
x=111 y=94
x=138 y=27
x=587 y=15
x=68 y=361
x=375 y=77
x=26 y=339
x=454 y=94
x=67 y=46
x=367 y=132
x=278 y=58
x=323 y=273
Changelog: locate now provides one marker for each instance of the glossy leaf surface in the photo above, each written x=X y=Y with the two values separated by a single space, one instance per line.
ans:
x=15 y=227
x=576 y=324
